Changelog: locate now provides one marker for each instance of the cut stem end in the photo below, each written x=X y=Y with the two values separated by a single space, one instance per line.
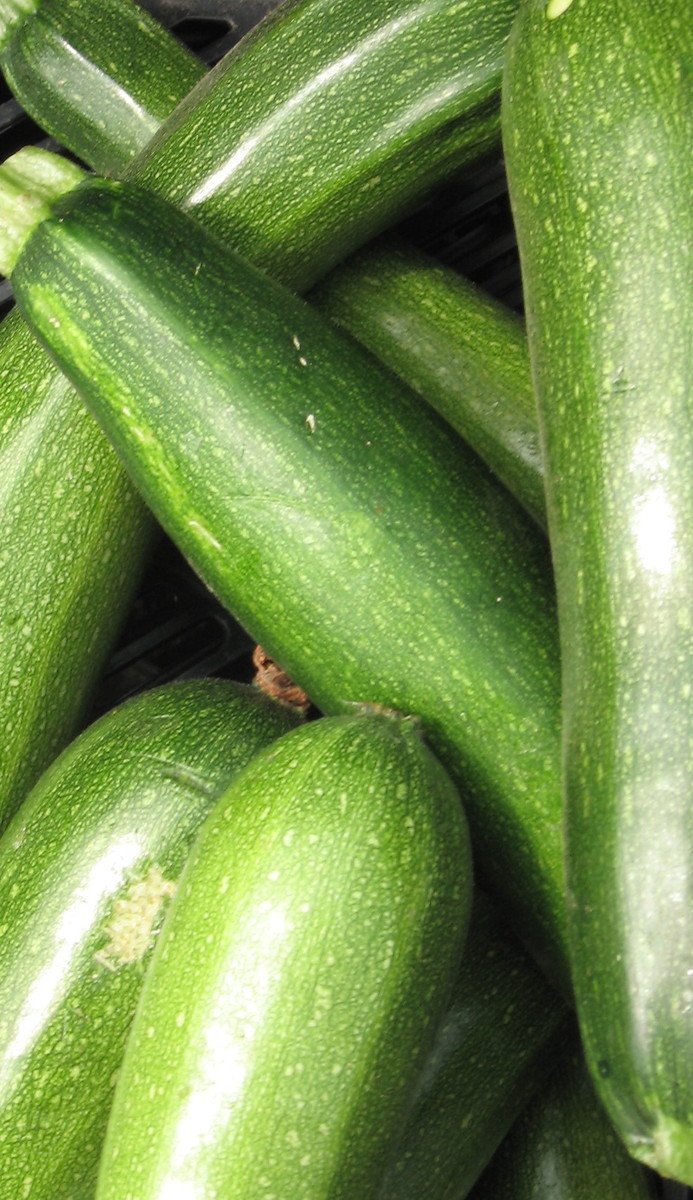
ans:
x=30 y=183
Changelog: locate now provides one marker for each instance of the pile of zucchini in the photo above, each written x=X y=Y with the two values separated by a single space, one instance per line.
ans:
x=245 y=955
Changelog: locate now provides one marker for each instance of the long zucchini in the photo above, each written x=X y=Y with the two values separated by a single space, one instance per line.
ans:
x=598 y=134
x=340 y=520
x=445 y=111
x=300 y=976
x=87 y=868
x=563 y=1148
x=502 y=1033
x=461 y=351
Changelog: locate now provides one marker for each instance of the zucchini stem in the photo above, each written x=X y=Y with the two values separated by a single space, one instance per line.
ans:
x=30 y=183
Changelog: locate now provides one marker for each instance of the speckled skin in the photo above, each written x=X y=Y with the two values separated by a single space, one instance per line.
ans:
x=460 y=350
x=101 y=77
x=563 y=1148
x=106 y=39
x=102 y=836
x=298 y=983
x=345 y=526
x=598 y=133
x=301 y=157
x=474 y=1085
x=73 y=534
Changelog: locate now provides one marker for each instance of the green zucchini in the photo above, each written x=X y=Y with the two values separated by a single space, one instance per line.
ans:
x=299 y=979
x=598 y=133
x=502 y=1033
x=101 y=77
x=388 y=98
x=74 y=535
x=87 y=868
x=461 y=351
x=358 y=541
x=60 y=458
x=563 y=1148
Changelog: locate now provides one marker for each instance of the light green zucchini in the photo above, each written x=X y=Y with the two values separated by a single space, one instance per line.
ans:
x=299 y=979
x=87 y=869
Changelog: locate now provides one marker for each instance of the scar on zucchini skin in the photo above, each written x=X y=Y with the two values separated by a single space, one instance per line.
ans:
x=130 y=929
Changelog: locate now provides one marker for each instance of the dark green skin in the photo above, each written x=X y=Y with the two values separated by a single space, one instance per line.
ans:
x=474 y=1086
x=563 y=1148
x=461 y=351
x=598 y=131
x=300 y=977
x=101 y=77
x=74 y=534
x=344 y=524
x=96 y=589
x=109 y=823
x=386 y=99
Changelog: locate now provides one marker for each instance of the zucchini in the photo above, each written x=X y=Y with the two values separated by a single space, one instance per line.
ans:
x=74 y=536
x=462 y=352
x=563 y=1148
x=501 y=1035
x=101 y=77
x=87 y=868
x=599 y=124
x=353 y=513
x=385 y=100
x=298 y=981
x=60 y=458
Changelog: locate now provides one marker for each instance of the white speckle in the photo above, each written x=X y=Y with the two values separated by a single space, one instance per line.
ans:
x=200 y=529
x=337 y=1069
x=273 y=876
x=292 y=1138
x=556 y=8
x=180 y=1020
x=310 y=423
x=303 y=361
x=224 y=886
x=288 y=837
x=54 y=321
x=305 y=1161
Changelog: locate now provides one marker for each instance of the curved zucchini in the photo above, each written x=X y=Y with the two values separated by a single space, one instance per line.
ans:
x=101 y=77
x=49 y=37
x=298 y=982
x=563 y=1148
x=87 y=868
x=501 y=1035
x=354 y=510
x=385 y=100
x=599 y=126
x=462 y=352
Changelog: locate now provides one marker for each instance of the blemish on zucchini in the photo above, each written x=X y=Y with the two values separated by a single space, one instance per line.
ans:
x=131 y=927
